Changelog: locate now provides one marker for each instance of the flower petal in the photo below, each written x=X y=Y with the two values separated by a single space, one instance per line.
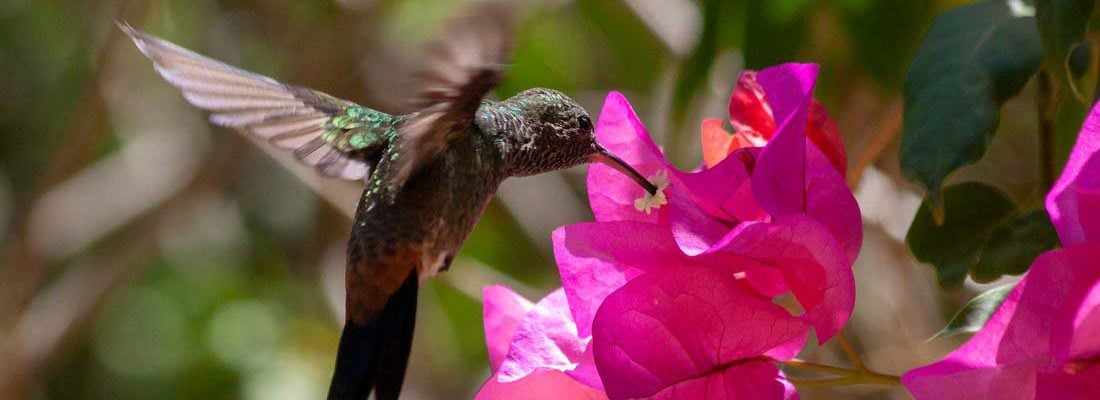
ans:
x=545 y=339
x=752 y=380
x=780 y=173
x=705 y=205
x=1075 y=332
x=751 y=116
x=949 y=380
x=750 y=113
x=716 y=142
x=694 y=231
x=542 y=385
x=1084 y=343
x=610 y=193
x=595 y=259
x=1060 y=386
x=830 y=202
x=503 y=310
x=678 y=332
x=1088 y=213
x=807 y=258
x=1082 y=172
x=792 y=178
x=823 y=133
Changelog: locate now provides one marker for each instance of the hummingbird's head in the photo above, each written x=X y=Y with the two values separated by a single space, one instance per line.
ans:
x=553 y=132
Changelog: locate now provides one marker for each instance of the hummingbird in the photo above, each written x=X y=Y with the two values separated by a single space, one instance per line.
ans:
x=427 y=175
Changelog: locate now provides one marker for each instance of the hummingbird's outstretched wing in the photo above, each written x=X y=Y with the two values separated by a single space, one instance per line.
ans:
x=340 y=138
x=462 y=66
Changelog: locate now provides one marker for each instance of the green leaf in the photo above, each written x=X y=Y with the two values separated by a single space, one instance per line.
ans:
x=975 y=313
x=972 y=60
x=971 y=211
x=1062 y=25
x=1014 y=244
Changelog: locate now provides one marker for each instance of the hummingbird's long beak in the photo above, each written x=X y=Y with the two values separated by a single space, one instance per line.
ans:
x=605 y=157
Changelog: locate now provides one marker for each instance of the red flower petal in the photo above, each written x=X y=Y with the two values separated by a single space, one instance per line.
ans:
x=823 y=133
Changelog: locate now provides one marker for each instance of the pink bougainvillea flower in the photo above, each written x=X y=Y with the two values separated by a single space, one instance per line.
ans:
x=1044 y=340
x=1041 y=343
x=783 y=177
x=534 y=350
x=746 y=207
x=693 y=333
x=754 y=125
x=652 y=289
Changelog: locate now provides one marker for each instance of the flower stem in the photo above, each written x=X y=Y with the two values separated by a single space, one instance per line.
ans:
x=1046 y=109
x=850 y=351
x=848 y=376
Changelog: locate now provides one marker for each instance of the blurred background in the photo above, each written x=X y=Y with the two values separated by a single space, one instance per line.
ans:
x=146 y=254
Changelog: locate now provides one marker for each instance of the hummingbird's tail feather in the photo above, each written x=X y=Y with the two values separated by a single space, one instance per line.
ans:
x=374 y=355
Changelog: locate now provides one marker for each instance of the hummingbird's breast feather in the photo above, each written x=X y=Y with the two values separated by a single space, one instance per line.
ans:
x=431 y=216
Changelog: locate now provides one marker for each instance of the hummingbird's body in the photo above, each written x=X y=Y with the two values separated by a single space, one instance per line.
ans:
x=428 y=175
x=395 y=245
x=435 y=210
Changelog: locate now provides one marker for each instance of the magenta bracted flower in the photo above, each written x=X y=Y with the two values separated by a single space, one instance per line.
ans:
x=1044 y=340
x=782 y=211
x=683 y=268
x=673 y=295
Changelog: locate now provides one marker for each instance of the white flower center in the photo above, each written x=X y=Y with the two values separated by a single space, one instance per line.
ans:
x=649 y=202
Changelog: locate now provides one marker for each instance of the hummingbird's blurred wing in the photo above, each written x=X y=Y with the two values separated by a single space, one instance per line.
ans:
x=338 y=137
x=462 y=66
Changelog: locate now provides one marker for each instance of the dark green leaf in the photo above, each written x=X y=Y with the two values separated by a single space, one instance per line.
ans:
x=973 y=59
x=1014 y=244
x=1079 y=60
x=975 y=313
x=1082 y=69
x=971 y=211
x=1062 y=24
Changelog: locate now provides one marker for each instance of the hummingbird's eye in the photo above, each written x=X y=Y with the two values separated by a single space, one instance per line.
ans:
x=585 y=123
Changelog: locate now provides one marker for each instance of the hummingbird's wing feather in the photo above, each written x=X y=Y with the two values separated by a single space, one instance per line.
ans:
x=340 y=138
x=462 y=67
